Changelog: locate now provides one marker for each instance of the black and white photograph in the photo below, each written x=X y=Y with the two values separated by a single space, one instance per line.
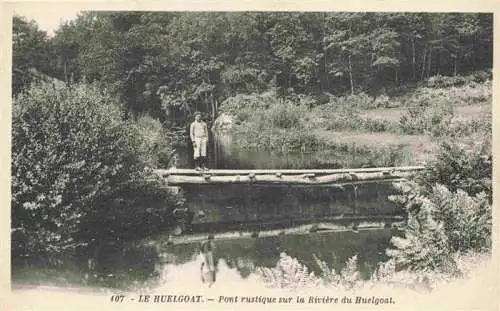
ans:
x=251 y=159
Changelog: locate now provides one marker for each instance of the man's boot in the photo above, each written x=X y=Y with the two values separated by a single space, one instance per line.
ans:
x=204 y=163
x=197 y=164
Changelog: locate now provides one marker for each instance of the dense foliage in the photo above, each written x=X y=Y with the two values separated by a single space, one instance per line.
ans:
x=71 y=151
x=449 y=210
x=468 y=168
x=30 y=52
x=169 y=64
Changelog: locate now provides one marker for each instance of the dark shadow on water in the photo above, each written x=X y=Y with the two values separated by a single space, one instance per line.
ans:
x=135 y=264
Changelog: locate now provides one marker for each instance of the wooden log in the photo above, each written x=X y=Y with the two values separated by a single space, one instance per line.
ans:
x=284 y=179
x=176 y=171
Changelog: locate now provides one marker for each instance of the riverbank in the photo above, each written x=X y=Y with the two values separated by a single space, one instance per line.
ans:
x=403 y=127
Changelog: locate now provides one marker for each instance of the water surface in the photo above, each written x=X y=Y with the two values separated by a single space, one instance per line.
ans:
x=153 y=262
x=156 y=260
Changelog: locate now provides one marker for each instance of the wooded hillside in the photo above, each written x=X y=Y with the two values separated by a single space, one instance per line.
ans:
x=170 y=64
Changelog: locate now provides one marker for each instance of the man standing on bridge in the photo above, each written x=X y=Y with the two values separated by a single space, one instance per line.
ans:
x=199 y=136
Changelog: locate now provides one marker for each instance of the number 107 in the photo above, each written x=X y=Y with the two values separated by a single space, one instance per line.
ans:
x=117 y=298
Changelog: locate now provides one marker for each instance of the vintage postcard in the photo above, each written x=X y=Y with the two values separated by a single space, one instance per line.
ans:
x=260 y=156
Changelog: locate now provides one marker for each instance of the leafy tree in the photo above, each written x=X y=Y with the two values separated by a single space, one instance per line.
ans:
x=30 y=53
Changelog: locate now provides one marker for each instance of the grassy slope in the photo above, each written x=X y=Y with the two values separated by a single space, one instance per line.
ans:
x=414 y=122
x=457 y=106
x=421 y=147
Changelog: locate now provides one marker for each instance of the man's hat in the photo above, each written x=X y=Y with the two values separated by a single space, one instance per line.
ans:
x=197 y=113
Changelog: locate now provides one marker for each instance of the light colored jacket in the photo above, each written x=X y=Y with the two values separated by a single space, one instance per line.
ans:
x=198 y=129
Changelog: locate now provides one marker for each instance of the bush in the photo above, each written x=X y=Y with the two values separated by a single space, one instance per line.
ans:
x=439 y=81
x=468 y=168
x=359 y=101
x=285 y=115
x=446 y=81
x=70 y=149
x=243 y=104
x=449 y=209
x=482 y=76
x=289 y=273
x=433 y=121
x=249 y=136
x=440 y=224
x=157 y=143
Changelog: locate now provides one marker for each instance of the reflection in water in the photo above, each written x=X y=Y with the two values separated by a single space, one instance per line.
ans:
x=154 y=263
x=208 y=265
x=226 y=207
x=245 y=254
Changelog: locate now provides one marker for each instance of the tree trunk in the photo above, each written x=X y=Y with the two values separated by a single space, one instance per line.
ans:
x=65 y=72
x=206 y=103
x=413 y=57
x=423 y=65
x=440 y=61
x=474 y=54
x=212 y=103
x=326 y=73
x=350 y=75
x=429 y=73
x=289 y=79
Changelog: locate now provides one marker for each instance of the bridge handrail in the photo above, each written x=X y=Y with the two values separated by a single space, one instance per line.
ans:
x=213 y=172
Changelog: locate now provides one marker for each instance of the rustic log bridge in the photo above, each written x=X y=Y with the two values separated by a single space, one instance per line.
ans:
x=318 y=177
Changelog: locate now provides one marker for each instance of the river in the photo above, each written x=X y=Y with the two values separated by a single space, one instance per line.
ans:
x=155 y=260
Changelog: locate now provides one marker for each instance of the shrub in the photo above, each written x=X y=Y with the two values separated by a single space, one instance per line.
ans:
x=157 y=144
x=482 y=76
x=382 y=101
x=285 y=115
x=359 y=101
x=449 y=209
x=431 y=121
x=242 y=103
x=468 y=168
x=70 y=149
x=348 y=278
x=288 y=273
x=466 y=220
x=440 y=224
x=439 y=81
